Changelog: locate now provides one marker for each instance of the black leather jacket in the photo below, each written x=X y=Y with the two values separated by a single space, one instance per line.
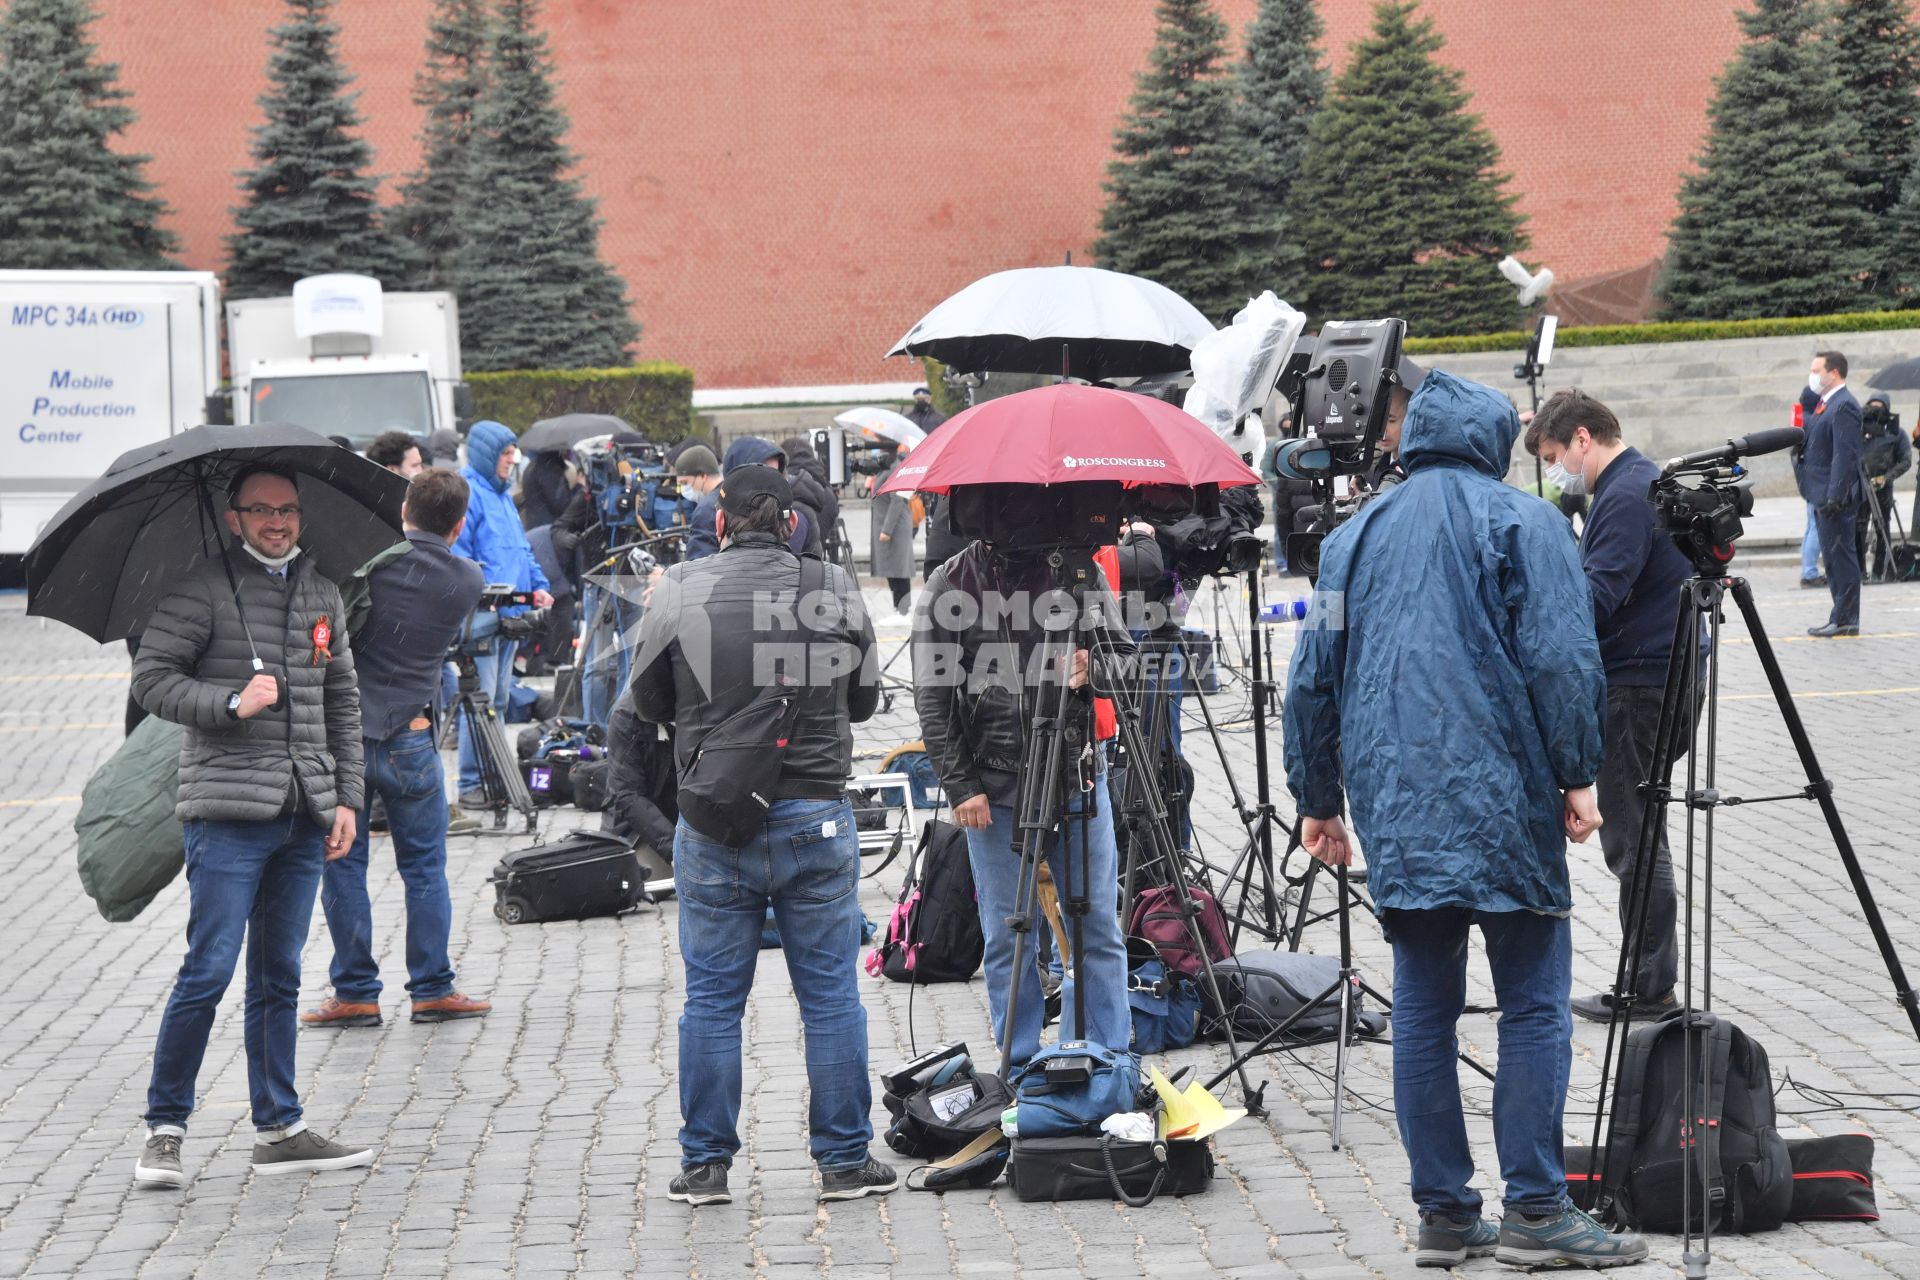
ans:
x=709 y=642
x=974 y=669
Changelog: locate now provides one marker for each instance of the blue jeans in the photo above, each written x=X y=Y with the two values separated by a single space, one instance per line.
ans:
x=251 y=882
x=1103 y=966
x=1532 y=961
x=807 y=865
x=496 y=681
x=1810 y=546
x=404 y=771
x=607 y=661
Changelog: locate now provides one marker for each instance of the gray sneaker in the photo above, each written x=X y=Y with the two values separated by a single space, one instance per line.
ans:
x=1448 y=1242
x=870 y=1179
x=702 y=1184
x=159 y=1163
x=307 y=1152
x=1570 y=1240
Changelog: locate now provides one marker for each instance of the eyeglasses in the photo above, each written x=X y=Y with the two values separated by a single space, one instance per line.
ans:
x=260 y=511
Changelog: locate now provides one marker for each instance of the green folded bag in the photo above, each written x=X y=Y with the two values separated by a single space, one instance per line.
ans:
x=131 y=845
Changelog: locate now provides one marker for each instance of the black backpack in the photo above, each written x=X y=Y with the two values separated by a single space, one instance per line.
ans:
x=934 y=933
x=1747 y=1170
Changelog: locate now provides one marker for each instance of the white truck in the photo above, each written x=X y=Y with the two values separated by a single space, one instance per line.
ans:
x=92 y=364
x=341 y=357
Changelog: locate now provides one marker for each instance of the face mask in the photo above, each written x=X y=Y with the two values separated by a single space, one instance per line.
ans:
x=1571 y=483
x=1814 y=382
x=272 y=562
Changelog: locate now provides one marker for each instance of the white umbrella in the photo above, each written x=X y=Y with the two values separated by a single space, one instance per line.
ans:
x=883 y=424
x=1082 y=321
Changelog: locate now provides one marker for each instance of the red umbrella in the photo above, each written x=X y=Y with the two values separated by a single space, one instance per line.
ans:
x=1066 y=433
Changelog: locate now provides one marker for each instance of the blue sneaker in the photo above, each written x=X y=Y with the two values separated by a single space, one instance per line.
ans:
x=1570 y=1239
x=1448 y=1242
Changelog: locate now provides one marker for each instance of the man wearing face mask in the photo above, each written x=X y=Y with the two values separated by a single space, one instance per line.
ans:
x=1828 y=472
x=1634 y=573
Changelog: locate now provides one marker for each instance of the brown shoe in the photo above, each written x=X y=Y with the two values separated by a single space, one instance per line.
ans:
x=335 y=1012
x=447 y=1008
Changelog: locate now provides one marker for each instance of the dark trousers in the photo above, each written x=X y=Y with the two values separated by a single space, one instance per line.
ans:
x=902 y=589
x=1842 y=554
x=1633 y=721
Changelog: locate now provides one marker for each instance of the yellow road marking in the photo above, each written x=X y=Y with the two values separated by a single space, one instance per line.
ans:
x=1835 y=693
x=21 y=804
x=1868 y=635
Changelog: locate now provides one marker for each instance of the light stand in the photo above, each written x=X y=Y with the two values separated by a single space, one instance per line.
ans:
x=1530 y=370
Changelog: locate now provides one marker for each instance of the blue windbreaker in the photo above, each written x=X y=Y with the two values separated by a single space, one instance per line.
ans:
x=1464 y=690
x=493 y=534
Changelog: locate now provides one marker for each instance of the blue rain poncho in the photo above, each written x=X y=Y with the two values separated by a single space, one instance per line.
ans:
x=1449 y=683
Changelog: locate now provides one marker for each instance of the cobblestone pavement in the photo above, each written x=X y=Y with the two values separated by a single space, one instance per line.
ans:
x=539 y=1141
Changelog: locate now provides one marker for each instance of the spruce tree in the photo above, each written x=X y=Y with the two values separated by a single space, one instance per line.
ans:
x=67 y=199
x=1899 y=241
x=1878 y=56
x=449 y=87
x=310 y=205
x=534 y=291
x=1282 y=84
x=1774 y=222
x=1185 y=204
x=1400 y=205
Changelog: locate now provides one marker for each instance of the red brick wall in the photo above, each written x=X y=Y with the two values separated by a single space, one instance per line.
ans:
x=788 y=184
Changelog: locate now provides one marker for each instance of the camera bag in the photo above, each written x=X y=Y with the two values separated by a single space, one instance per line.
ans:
x=1262 y=989
x=584 y=874
x=1073 y=1086
x=550 y=776
x=1101 y=1167
x=1165 y=1004
x=589 y=782
x=932 y=1122
x=934 y=932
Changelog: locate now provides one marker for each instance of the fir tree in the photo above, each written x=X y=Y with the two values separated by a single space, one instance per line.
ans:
x=534 y=292
x=1899 y=241
x=1400 y=204
x=449 y=87
x=310 y=205
x=1878 y=56
x=1774 y=223
x=68 y=200
x=1185 y=204
x=1282 y=84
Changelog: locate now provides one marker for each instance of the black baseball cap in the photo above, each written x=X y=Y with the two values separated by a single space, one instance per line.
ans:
x=743 y=484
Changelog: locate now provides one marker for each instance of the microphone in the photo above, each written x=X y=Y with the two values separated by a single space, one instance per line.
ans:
x=1771 y=440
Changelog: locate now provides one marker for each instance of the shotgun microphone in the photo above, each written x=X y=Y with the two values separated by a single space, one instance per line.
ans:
x=1771 y=440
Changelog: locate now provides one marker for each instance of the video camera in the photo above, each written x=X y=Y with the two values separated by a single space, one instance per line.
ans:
x=634 y=491
x=1209 y=530
x=1340 y=383
x=845 y=455
x=494 y=597
x=1700 y=499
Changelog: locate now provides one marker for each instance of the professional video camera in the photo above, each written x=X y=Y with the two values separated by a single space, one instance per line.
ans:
x=1340 y=383
x=1700 y=499
x=634 y=491
x=1209 y=530
x=846 y=455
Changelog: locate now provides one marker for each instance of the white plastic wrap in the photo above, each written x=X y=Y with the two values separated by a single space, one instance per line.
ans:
x=1235 y=368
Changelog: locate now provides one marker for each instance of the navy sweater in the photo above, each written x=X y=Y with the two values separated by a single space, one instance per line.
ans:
x=1634 y=572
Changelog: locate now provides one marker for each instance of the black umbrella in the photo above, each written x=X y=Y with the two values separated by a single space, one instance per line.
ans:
x=569 y=429
x=1904 y=376
x=102 y=564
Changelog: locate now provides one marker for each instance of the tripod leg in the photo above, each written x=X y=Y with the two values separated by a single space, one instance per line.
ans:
x=1821 y=790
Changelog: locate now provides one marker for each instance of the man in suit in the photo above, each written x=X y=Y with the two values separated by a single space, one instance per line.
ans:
x=1828 y=473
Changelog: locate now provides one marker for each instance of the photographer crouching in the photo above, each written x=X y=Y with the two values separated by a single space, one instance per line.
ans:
x=764 y=752
x=978 y=630
x=416 y=607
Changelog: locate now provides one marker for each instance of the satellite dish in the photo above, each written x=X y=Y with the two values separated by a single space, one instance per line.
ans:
x=1533 y=286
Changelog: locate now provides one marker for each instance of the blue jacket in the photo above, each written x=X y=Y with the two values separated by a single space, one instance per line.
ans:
x=702 y=539
x=1827 y=468
x=1634 y=572
x=1464 y=690
x=493 y=536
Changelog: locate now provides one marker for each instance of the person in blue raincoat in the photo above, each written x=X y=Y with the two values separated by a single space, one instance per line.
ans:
x=1448 y=688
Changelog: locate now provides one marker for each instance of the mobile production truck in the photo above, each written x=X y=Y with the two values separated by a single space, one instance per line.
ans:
x=92 y=364
x=343 y=358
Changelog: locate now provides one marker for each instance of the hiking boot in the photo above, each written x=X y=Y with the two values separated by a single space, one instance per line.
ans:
x=1448 y=1242
x=460 y=824
x=870 y=1179
x=702 y=1184
x=307 y=1152
x=474 y=800
x=449 y=1007
x=1599 y=1008
x=335 y=1012
x=1569 y=1239
x=159 y=1163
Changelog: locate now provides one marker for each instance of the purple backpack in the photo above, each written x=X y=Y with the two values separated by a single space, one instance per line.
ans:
x=1158 y=919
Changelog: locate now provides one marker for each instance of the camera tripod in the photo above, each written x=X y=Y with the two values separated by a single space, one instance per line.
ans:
x=1702 y=600
x=501 y=781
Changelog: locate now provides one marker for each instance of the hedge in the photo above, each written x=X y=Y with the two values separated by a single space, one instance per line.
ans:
x=656 y=398
x=1616 y=335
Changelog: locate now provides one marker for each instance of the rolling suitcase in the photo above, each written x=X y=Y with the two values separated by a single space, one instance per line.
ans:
x=585 y=874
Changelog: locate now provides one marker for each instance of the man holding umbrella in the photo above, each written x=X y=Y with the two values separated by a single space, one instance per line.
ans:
x=246 y=652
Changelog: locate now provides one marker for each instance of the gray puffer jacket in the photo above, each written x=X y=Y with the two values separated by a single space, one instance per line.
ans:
x=194 y=654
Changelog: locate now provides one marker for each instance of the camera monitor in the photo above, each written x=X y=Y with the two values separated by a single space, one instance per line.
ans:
x=1350 y=379
x=1082 y=514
